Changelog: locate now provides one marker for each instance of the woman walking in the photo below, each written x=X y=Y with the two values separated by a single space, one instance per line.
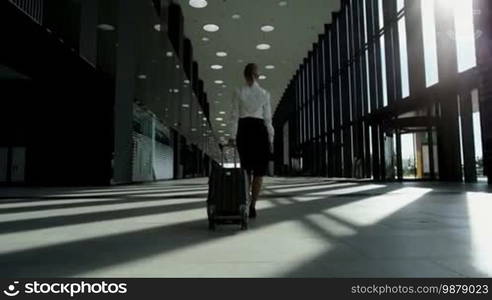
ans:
x=251 y=120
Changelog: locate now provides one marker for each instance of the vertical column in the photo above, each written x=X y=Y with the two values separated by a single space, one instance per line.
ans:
x=345 y=100
x=415 y=41
x=125 y=91
x=310 y=110
x=448 y=128
x=397 y=72
x=317 y=107
x=314 y=95
x=322 y=105
x=391 y=42
x=309 y=118
x=329 y=100
x=302 y=94
x=483 y=22
x=294 y=129
x=365 y=87
x=371 y=9
x=312 y=104
x=358 y=95
x=380 y=88
x=337 y=117
x=299 y=118
x=88 y=30
x=466 y=112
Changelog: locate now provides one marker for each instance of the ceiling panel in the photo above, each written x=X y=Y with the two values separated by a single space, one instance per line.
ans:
x=297 y=26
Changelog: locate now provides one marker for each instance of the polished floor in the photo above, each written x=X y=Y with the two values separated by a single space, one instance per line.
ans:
x=306 y=227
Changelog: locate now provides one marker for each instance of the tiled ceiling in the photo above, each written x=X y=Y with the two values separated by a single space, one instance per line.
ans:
x=297 y=24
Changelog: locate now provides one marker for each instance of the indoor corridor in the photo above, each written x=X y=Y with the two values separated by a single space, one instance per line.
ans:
x=306 y=227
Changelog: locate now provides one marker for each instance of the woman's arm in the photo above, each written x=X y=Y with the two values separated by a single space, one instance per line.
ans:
x=267 y=116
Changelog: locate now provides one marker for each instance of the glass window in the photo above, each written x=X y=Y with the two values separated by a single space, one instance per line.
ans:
x=365 y=22
x=465 y=34
x=402 y=36
x=380 y=14
x=383 y=70
x=477 y=135
x=382 y=44
x=430 y=42
x=400 y=4
x=366 y=52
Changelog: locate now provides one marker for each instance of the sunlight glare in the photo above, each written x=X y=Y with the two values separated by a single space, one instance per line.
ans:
x=372 y=210
x=479 y=208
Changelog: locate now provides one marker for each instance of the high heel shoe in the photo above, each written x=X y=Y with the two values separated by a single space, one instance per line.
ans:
x=252 y=212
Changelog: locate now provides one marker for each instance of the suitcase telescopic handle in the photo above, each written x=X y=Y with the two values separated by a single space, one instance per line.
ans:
x=236 y=163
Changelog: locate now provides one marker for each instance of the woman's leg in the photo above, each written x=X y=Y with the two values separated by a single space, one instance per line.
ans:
x=256 y=189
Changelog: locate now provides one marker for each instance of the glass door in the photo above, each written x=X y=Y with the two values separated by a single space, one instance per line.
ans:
x=418 y=155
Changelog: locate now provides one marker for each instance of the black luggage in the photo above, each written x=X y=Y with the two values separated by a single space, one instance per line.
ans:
x=228 y=196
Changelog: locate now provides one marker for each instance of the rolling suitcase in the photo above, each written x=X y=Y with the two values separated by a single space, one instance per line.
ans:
x=228 y=196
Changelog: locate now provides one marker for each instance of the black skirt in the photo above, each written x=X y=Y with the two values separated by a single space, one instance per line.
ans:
x=253 y=145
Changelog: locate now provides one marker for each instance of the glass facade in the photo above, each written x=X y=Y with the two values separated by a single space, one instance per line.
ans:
x=430 y=41
x=137 y=109
x=366 y=98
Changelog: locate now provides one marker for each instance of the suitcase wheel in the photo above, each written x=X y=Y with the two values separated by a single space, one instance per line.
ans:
x=244 y=225
x=244 y=222
x=211 y=224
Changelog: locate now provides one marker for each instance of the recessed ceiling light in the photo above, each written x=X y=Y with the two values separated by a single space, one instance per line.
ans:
x=177 y=67
x=222 y=113
x=186 y=81
x=217 y=102
x=220 y=131
x=262 y=77
x=193 y=129
x=240 y=61
x=219 y=119
x=267 y=28
x=263 y=47
x=227 y=134
x=236 y=16
x=198 y=3
x=169 y=54
x=223 y=124
x=186 y=105
x=211 y=28
x=142 y=76
x=106 y=27
x=224 y=86
x=204 y=119
x=219 y=81
x=176 y=91
x=282 y=3
x=216 y=67
x=269 y=67
x=205 y=39
x=221 y=54
x=157 y=27
x=200 y=112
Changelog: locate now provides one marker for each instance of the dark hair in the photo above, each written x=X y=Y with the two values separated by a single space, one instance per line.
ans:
x=250 y=72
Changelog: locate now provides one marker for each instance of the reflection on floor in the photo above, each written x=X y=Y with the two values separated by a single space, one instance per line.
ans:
x=306 y=227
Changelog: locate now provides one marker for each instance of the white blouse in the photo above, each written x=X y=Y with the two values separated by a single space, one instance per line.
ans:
x=252 y=102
